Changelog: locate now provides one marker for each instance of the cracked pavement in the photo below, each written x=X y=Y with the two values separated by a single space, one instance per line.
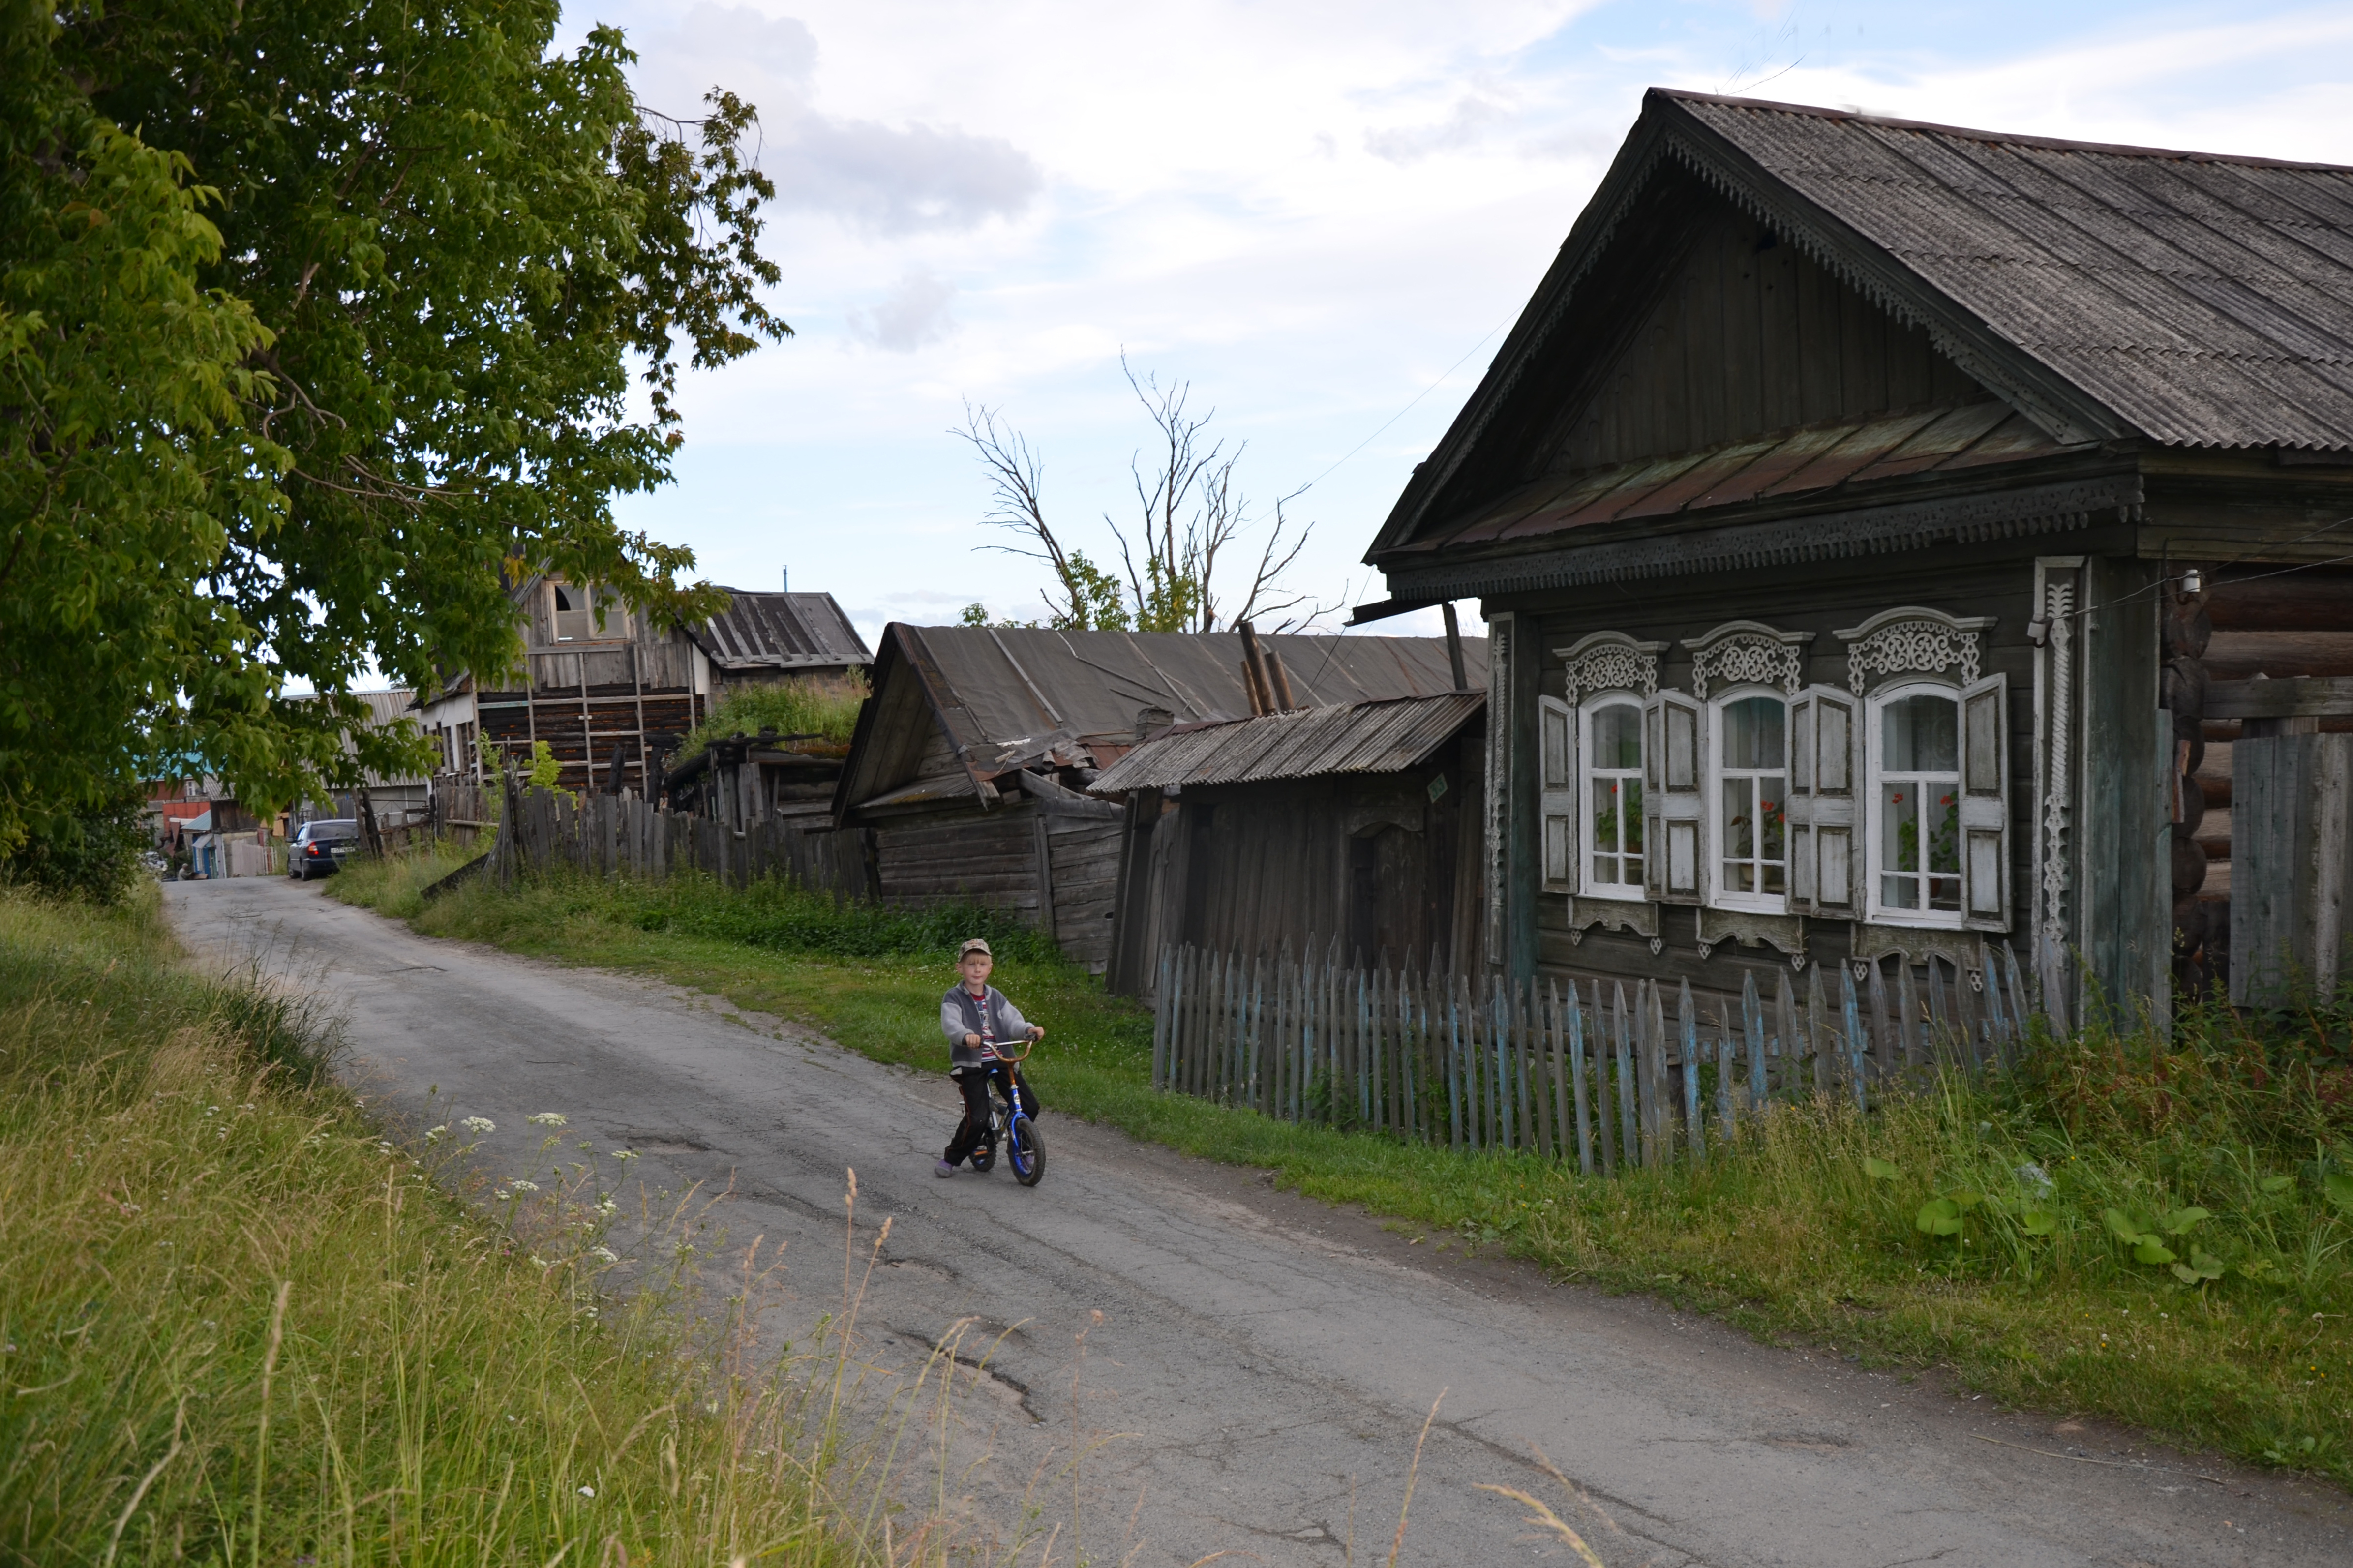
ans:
x=1263 y=1364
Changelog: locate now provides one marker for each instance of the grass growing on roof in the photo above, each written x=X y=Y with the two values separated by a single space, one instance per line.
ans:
x=824 y=706
x=1967 y=1226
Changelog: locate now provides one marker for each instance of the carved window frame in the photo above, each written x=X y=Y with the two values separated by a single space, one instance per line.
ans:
x=1911 y=641
x=1598 y=670
x=1748 y=653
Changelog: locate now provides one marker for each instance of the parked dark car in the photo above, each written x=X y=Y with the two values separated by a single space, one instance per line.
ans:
x=320 y=847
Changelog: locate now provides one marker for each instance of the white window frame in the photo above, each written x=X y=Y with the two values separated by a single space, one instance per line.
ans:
x=1638 y=891
x=1877 y=910
x=580 y=626
x=1711 y=805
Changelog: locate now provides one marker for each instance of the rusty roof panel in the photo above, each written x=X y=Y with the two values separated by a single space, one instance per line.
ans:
x=1866 y=445
x=1382 y=737
x=1946 y=436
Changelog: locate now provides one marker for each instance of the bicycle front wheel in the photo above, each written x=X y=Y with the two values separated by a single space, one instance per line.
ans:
x=1027 y=1152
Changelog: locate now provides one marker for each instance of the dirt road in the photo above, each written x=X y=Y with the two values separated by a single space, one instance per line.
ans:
x=1271 y=1360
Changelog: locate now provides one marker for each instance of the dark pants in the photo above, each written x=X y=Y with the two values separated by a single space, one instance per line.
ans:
x=973 y=1129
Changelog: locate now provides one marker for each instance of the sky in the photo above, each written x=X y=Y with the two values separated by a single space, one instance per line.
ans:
x=1323 y=216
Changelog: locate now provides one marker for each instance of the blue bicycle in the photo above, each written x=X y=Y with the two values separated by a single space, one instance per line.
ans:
x=1009 y=1121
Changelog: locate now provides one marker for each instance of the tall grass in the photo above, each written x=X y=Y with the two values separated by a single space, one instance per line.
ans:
x=238 y=1326
x=823 y=706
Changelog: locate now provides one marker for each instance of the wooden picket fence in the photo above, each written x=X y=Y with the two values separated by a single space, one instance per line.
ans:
x=607 y=835
x=1555 y=1066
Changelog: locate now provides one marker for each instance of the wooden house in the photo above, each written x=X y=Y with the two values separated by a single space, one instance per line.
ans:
x=1359 y=822
x=600 y=678
x=1882 y=528
x=967 y=774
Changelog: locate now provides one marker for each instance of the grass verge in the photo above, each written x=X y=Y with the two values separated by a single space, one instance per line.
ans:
x=238 y=1326
x=2022 y=1286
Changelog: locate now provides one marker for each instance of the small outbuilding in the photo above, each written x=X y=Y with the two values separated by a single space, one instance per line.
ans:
x=968 y=773
x=1360 y=821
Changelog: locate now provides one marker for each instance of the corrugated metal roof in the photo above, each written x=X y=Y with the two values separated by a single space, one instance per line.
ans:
x=1017 y=684
x=781 y=631
x=1382 y=737
x=2207 y=300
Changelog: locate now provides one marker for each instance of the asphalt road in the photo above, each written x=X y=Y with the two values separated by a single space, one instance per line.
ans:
x=1262 y=1365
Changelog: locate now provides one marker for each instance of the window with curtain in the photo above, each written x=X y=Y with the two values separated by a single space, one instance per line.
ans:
x=1752 y=792
x=1613 y=799
x=1915 y=804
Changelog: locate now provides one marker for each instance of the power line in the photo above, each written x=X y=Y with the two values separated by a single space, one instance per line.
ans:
x=1409 y=408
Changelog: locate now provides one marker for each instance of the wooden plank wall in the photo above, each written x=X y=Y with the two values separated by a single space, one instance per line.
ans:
x=2292 y=833
x=1610 y=1078
x=1004 y=858
x=1752 y=336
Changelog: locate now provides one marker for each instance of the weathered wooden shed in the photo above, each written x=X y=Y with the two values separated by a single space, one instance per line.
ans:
x=1250 y=836
x=1881 y=528
x=968 y=769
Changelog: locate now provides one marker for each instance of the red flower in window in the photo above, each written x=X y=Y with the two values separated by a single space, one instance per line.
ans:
x=1896 y=799
x=1946 y=801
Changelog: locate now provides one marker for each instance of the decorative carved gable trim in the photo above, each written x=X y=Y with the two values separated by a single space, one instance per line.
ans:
x=1913 y=639
x=1742 y=653
x=1609 y=661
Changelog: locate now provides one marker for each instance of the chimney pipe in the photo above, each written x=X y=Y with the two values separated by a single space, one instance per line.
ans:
x=784 y=578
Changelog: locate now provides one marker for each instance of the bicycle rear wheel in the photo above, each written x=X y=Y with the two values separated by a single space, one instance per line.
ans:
x=1026 y=1150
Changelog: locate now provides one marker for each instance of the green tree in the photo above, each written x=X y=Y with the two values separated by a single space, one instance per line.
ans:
x=352 y=387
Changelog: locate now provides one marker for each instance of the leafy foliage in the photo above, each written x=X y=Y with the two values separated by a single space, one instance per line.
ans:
x=312 y=418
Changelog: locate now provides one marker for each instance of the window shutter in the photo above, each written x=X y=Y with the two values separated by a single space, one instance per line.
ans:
x=1825 y=762
x=1558 y=793
x=1985 y=806
x=1674 y=867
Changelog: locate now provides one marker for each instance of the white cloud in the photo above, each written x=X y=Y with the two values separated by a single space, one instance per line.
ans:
x=912 y=314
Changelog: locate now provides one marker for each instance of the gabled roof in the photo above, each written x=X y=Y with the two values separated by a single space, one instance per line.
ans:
x=2103 y=293
x=780 y=631
x=1005 y=697
x=1383 y=737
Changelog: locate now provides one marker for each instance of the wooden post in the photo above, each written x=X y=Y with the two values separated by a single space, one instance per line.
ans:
x=1687 y=1034
x=1728 y=1079
x=1784 y=1032
x=1161 y=999
x=1818 y=1034
x=1853 y=1015
x=1523 y=1078
x=1908 y=1002
x=1630 y=1138
x=1752 y=1023
x=1574 y=1019
x=1886 y=1036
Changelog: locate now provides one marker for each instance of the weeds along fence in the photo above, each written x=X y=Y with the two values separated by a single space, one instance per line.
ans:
x=1612 y=1077
x=607 y=835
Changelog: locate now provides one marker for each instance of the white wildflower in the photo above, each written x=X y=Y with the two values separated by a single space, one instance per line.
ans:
x=500 y=1194
x=604 y=1203
x=546 y=1119
x=587 y=1491
x=603 y=1255
x=433 y=1134
x=524 y=1187
x=625 y=1154
x=479 y=1124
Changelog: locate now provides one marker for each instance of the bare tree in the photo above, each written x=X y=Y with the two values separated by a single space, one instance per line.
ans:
x=1191 y=514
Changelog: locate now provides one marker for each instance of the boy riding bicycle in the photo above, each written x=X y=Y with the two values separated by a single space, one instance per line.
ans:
x=978 y=1019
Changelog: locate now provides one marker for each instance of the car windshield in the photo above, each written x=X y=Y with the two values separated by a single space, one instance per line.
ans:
x=325 y=832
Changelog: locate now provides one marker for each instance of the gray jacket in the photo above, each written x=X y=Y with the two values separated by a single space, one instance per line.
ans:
x=960 y=1016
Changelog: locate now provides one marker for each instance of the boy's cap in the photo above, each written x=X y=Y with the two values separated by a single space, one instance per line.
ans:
x=972 y=945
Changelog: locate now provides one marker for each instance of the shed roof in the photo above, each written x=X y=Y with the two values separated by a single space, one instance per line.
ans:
x=2205 y=300
x=780 y=631
x=1005 y=696
x=1380 y=737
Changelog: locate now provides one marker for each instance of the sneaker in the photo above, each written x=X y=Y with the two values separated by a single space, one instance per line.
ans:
x=942 y=1168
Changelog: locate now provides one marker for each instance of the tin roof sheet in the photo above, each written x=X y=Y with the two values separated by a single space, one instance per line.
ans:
x=781 y=631
x=2207 y=300
x=1380 y=737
